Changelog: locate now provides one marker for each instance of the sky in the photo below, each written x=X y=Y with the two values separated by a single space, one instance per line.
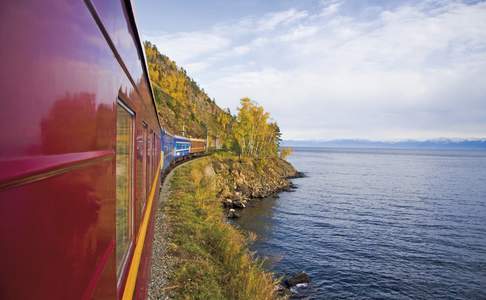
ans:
x=335 y=69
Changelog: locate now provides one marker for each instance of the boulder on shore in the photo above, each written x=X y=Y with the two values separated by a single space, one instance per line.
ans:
x=232 y=214
x=297 y=175
x=288 y=189
x=239 y=204
x=228 y=203
x=296 y=279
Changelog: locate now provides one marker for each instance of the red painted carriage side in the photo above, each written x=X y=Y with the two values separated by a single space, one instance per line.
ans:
x=59 y=82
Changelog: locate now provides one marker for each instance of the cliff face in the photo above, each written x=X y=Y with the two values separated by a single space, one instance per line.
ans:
x=182 y=105
x=240 y=180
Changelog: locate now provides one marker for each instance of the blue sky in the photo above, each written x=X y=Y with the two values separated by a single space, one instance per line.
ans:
x=383 y=70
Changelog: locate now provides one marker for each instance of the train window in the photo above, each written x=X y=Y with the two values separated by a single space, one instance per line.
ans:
x=155 y=155
x=149 y=162
x=124 y=184
x=143 y=172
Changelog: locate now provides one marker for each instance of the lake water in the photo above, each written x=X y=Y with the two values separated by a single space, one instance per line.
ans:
x=379 y=224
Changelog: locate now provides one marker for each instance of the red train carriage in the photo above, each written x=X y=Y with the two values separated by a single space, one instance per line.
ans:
x=79 y=152
x=197 y=146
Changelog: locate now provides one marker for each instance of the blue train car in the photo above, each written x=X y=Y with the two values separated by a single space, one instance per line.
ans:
x=167 y=145
x=176 y=148
x=182 y=147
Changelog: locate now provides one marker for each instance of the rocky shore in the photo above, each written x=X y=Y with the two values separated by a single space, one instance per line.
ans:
x=242 y=179
x=198 y=253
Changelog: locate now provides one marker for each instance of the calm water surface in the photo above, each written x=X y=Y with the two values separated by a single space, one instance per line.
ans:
x=379 y=224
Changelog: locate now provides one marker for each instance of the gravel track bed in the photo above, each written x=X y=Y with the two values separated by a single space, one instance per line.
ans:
x=162 y=262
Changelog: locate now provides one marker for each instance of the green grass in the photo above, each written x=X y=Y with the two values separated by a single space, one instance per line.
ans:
x=213 y=261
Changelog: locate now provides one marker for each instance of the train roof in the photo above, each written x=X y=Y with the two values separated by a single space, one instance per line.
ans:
x=197 y=140
x=164 y=131
x=181 y=138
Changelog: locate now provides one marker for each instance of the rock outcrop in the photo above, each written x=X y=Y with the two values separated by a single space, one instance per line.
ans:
x=291 y=285
x=241 y=180
x=299 y=278
x=232 y=214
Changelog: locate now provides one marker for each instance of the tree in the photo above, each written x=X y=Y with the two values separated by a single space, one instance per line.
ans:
x=285 y=152
x=253 y=133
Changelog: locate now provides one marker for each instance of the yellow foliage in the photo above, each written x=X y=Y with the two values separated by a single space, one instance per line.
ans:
x=253 y=132
x=181 y=103
x=285 y=152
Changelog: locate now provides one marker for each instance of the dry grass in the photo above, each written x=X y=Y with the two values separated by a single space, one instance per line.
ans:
x=213 y=258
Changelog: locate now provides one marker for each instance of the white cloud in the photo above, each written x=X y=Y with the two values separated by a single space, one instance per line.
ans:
x=240 y=50
x=298 y=33
x=330 y=8
x=272 y=20
x=184 y=46
x=197 y=66
x=414 y=71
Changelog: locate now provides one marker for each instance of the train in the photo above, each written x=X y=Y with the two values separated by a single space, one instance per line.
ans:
x=176 y=148
x=82 y=152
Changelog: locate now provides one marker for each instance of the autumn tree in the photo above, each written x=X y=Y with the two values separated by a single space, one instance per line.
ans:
x=181 y=103
x=254 y=134
x=285 y=152
x=226 y=120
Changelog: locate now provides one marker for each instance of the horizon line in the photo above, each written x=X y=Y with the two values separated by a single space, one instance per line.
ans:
x=438 y=139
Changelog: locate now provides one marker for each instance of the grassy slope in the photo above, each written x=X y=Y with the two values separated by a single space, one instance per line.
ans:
x=212 y=259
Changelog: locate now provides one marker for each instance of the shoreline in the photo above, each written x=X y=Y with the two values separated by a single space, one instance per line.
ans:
x=242 y=180
x=202 y=256
x=244 y=189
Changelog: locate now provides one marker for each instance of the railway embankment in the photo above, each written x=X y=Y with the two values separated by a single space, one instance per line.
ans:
x=204 y=256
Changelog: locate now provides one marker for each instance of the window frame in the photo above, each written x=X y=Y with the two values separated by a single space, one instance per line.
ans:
x=121 y=272
x=150 y=159
x=145 y=130
x=154 y=153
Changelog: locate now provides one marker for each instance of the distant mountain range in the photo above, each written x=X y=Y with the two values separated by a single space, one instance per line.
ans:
x=442 y=143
